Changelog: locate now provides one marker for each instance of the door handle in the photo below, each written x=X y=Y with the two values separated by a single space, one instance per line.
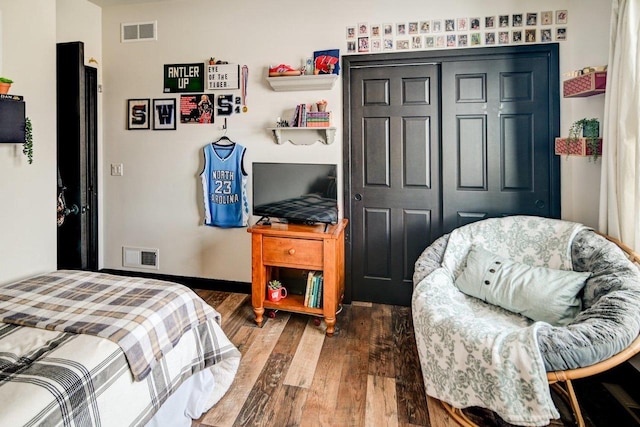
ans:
x=357 y=197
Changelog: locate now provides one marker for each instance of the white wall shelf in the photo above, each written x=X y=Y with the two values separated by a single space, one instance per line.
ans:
x=291 y=83
x=304 y=135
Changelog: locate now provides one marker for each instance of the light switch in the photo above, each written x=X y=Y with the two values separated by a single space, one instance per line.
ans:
x=116 y=169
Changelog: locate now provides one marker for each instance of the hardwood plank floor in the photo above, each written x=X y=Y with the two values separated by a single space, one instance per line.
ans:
x=368 y=374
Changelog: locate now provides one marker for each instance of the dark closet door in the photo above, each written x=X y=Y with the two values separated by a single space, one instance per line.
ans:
x=77 y=157
x=395 y=176
x=495 y=139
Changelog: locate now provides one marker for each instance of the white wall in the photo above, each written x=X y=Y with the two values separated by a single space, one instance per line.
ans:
x=27 y=192
x=156 y=204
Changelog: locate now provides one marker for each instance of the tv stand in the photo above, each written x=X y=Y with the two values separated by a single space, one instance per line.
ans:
x=306 y=247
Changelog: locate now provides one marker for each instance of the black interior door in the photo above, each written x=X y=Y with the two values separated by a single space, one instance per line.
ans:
x=395 y=183
x=77 y=157
x=431 y=147
x=496 y=139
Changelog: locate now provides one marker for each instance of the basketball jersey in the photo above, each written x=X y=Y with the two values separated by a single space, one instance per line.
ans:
x=224 y=185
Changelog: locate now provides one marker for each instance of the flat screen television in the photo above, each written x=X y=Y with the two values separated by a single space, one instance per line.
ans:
x=303 y=193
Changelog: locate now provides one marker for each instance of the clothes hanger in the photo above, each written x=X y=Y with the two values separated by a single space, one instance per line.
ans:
x=224 y=139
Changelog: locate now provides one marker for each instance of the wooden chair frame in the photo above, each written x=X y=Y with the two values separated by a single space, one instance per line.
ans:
x=560 y=381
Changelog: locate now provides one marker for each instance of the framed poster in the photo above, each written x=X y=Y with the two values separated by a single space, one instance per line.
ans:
x=223 y=76
x=138 y=114
x=164 y=114
x=184 y=77
x=196 y=109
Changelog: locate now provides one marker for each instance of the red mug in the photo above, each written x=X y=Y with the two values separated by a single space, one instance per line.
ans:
x=276 y=295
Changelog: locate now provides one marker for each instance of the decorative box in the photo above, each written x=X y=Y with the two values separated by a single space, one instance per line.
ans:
x=585 y=85
x=577 y=148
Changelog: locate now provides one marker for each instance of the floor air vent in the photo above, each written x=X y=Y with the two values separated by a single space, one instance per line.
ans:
x=140 y=257
x=138 y=31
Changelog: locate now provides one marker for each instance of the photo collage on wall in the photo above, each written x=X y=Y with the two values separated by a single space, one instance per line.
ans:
x=487 y=30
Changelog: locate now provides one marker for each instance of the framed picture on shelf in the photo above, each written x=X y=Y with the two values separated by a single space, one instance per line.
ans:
x=164 y=114
x=138 y=112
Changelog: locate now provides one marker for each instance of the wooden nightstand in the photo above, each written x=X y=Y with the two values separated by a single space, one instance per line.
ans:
x=305 y=247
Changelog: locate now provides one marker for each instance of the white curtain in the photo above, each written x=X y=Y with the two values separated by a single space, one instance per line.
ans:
x=620 y=181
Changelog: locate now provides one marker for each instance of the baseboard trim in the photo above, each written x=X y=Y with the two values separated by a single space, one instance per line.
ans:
x=191 y=282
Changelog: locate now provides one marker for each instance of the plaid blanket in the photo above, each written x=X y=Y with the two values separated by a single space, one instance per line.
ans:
x=145 y=317
x=50 y=378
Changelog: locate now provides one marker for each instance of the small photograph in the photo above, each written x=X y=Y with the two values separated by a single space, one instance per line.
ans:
x=441 y=41
x=387 y=29
x=532 y=19
x=416 y=42
x=530 y=36
x=363 y=44
x=376 y=30
x=516 y=20
x=503 y=37
x=425 y=27
x=413 y=28
x=429 y=42
x=561 y=34
x=401 y=29
x=351 y=46
x=436 y=26
x=351 y=32
x=490 y=38
x=475 y=39
x=546 y=17
x=451 y=40
x=516 y=36
x=503 y=21
x=545 y=35
x=164 y=114
x=402 y=44
x=463 y=24
x=474 y=23
x=489 y=21
x=449 y=25
x=462 y=40
x=387 y=44
x=363 y=29
x=376 y=45
x=561 y=17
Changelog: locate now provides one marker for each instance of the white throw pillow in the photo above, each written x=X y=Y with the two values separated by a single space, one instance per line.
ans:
x=539 y=293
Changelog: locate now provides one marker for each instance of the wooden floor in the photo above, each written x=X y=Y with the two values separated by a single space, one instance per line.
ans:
x=292 y=375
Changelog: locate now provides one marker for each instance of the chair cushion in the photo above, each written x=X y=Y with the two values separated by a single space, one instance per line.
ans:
x=539 y=293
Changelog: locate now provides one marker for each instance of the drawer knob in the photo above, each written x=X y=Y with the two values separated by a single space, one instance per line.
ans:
x=292 y=251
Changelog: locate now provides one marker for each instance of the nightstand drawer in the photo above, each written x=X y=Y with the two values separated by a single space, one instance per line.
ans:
x=284 y=251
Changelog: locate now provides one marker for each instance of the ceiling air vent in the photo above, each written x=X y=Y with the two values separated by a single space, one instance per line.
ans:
x=138 y=31
x=140 y=257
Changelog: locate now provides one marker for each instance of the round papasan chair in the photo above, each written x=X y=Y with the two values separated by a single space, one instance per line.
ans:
x=477 y=353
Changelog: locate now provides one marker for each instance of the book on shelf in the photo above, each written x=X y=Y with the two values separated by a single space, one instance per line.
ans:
x=320 y=291
x=7 y=97
x=307 y=291
x=313 y=290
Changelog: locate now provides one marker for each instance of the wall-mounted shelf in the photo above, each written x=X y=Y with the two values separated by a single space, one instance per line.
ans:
x=304 y=135
x=12 y=120
x=579 y=148
x=291 y=83
x=585 y=85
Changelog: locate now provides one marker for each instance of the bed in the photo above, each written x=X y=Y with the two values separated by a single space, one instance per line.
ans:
x=81 y=348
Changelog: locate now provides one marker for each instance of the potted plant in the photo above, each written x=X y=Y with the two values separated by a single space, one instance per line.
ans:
x=27 y=147
x=274 y=284
x=5 y=84
x=589 y=129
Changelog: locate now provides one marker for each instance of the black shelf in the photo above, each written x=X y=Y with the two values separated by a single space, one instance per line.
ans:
x=12 y=121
